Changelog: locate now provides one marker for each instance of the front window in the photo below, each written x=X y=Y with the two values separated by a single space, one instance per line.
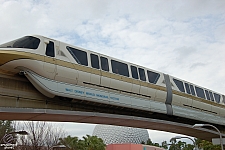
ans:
x=28 y=42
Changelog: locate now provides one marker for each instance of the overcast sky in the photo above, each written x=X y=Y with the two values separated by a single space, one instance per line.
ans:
x=185 y=39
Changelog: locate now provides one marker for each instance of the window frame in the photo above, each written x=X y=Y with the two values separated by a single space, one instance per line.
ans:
x=217 y=97
x=92 y=55
x=211 y=96
x=193 y=92
x=199 y=92
x=140 y=77
x=120 y=68
x=106 y=68
x=132 y=73
x=177 y=83
x=75 y=57
x=187 y=88
x=207 y=94
x=155 y=78
x=49 y=51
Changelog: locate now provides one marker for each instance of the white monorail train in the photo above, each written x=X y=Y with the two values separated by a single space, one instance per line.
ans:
x=59 y=69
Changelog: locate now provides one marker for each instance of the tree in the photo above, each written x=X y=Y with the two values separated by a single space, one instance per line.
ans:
x=176 y=145
x=180 y=145
x=70 y=142
x=165 y=145
x=91 y=143
x=149 y=142
x=41 y=134
x=206 y=145
x=87 y=143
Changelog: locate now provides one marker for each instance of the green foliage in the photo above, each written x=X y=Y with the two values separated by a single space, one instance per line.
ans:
x=94 y=143
x=164 y=145
x=201 y=144
x=149 y=142
x=206 y=145
x=180 y=145
x=87 y=143
x=173 y=146
x=70 y=142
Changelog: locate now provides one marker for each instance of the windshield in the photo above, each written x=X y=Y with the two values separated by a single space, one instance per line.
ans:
x=24 y=42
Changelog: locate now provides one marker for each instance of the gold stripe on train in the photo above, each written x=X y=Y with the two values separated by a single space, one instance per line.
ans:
x=7 y=56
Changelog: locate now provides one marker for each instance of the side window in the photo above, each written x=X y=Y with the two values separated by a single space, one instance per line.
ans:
x=217 y=97
x=200 y=92
x=134 y=72
x=223 y=99
x=153 y=77
x=207 y=95
x=211 y=96
x=50 y=51
x=78 y=55
x=179 y=85
x=142 y=74
x=187 y=88
x=104 y=63
x=192 y=90
x=94 y=61
x=120 y=68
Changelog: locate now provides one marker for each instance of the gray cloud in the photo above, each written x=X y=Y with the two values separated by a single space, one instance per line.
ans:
x=196 y=65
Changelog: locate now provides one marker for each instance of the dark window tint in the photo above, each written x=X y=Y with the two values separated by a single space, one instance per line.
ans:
x=179 y=84
x=217 y=97
x=187 y=88
x=142 y=74
x=24 y=42
x=104 y=64
x=134 y=72
x=207 y=95
x=78 y=55
x=119 y=68
x=200 y=92
x=50 y=51
x=152 y=77
x=192 y=90
x=223 y=99
x=94 y=61
x=211 y=96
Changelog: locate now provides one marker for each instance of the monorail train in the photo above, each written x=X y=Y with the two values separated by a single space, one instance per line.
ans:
x=59 y=69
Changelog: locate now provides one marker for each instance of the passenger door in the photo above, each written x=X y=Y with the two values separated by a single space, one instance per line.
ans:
x=49 y=59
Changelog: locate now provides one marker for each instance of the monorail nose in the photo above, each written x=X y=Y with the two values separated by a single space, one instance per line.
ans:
x=3 y=58
x=6 y=56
